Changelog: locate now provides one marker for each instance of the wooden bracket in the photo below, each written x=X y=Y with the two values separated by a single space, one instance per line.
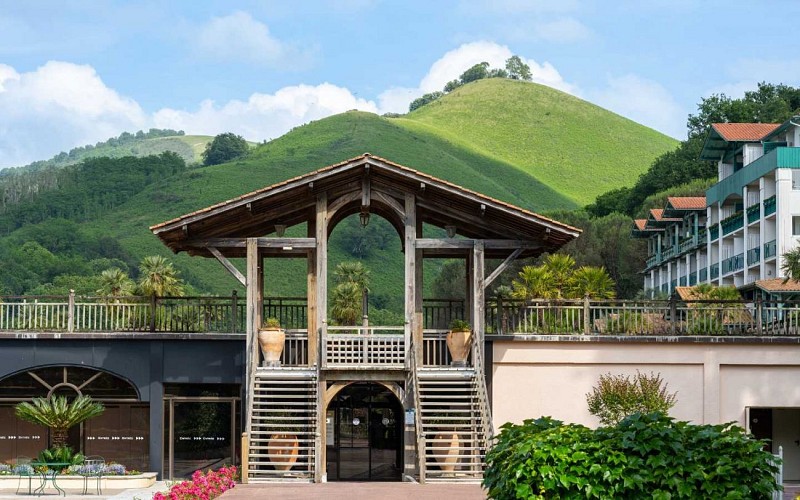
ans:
x=227 y=265
x=502 y=267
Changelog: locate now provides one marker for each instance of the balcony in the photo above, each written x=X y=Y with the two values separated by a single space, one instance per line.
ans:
x=732 y=223
x=732 y=185
x=753 y=213
x=732 y=264
x=770 y=250
x=753 y=256
x=769 y=206
x=669 y=253
x=713 y=232
x=653 y=261
x=703 y=275
x=714 y=271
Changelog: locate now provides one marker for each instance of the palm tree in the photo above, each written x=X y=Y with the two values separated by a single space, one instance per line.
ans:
x=58 y=414
x=352 y=272
x=535 y=282
x=115 y=283
x=791 y=265
x=561 y=267
x=592 y=282
x=159 y=278
x=346 y=303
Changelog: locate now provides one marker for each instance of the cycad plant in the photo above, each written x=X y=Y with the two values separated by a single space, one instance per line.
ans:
x=115 y=283
x=592 y=282
x=58 y=414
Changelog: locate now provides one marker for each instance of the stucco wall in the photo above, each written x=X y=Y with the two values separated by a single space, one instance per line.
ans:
x=715 y=381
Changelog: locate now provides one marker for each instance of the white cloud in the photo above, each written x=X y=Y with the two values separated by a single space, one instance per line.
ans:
x=453 y=63
x=241 y=38
x=642 y=100
x=56 y=107
x=264 y=116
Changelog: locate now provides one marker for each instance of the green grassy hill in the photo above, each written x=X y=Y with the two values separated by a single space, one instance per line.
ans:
x=499 y=137
x=576 y=148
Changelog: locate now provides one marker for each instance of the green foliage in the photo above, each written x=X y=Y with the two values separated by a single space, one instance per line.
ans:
x=63 y=454
x=696 y=187
x=517 y=69
x=224 y=148
x=791 y=265
x=271 y=324
x=477 y=72
x=425 y=99
x=158 y=277
x=459 y=325
x=557 y=278
x=346 y=304
x=115 y=283
x=644 y=456
x=618 y=396
x=58 y=414
x=450 y=280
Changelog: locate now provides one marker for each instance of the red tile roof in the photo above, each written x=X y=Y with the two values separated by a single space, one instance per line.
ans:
x=744 y=131
x=657 y=214
x=777 y=285
x=687 y=202
x=640 y=223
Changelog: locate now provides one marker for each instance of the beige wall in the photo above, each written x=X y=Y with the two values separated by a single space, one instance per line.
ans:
x=715 y=381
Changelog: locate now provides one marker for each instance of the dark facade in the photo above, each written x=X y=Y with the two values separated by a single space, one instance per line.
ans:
x=166 y=375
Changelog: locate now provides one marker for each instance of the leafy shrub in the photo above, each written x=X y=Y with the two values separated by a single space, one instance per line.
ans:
x=617 y=396
x=459 y=325
x=644 y=456
x=23 y=470
x=5 y=470
x=60 y=454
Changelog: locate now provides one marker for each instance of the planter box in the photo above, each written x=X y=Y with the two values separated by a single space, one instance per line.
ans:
x=144 y=480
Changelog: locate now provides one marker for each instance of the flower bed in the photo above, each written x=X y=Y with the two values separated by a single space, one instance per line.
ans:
x=202 y=486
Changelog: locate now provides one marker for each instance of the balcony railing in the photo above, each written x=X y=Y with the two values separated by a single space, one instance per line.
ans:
x=693 y=278
x=732 y=264
x=714 y=271
x=753 y=213
x=653 y=260
x=682 y=281
x=358 y=347
x=652 y=317
x=669 y=253
x=713 y=232
x=769 y=205
x=770 y=250
x=753 y=256
x=732 y=223
x=703 y=275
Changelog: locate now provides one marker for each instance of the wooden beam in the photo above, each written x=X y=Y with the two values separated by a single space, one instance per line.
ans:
x=502 y=267
x=478 y=302
x=227 y=265
x=410 y=257
x=365 y=189
x=250 y=327
x=311 y=294
x=341 y=201
x=468 y=244
x=278 y=243
x=390 y=202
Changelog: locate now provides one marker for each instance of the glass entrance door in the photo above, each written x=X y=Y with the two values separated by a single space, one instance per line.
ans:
x=200 y=435
x=367 y=440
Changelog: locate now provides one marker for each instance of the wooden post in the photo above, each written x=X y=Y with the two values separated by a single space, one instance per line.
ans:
x=251 y=326
x=71 y=312
x=410 y=254
x=478 y=318
x=152 y=313
x=673 y=314
x=245 y=458
x=320 y=328
x=586 y=315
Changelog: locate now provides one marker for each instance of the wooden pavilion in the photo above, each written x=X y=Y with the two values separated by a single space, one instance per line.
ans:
x=289 y=407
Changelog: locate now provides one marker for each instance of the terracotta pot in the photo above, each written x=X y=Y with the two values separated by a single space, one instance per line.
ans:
x=286 y=447
x=447 y=457
x=271 y=343
x=458 y=343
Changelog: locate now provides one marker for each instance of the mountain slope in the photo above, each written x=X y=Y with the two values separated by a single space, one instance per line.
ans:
x=578 y=149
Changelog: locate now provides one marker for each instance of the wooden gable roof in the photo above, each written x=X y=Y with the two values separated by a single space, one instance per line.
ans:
x=293 y=202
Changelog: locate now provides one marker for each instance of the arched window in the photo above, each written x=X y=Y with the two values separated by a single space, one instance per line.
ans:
x=67 y=381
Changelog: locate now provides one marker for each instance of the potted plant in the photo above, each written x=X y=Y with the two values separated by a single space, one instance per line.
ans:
x=271 y=338
x=459 y=339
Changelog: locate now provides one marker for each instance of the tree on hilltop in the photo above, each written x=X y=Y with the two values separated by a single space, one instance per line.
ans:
x=518 y=70
x=225 y=147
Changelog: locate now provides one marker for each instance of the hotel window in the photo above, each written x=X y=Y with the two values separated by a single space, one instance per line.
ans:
x=795 y=179
x=796 y=225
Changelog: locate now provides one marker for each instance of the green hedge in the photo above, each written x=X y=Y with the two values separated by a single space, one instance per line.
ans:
x=644 y=456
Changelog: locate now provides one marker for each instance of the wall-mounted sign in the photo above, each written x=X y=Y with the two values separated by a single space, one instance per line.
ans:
x=410 y=413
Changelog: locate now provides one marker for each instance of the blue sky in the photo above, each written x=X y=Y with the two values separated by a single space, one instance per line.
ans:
x=73 y=73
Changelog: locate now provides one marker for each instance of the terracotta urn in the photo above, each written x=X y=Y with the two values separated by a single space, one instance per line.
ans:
x=458 y=343
x=284 y=448
x=445 y=447
x=271 y=341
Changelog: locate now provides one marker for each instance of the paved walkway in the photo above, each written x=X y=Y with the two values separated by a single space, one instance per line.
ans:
x=356 y=491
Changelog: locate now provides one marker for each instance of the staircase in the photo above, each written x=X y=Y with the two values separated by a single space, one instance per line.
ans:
x=455 y=422
x=283 y=420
